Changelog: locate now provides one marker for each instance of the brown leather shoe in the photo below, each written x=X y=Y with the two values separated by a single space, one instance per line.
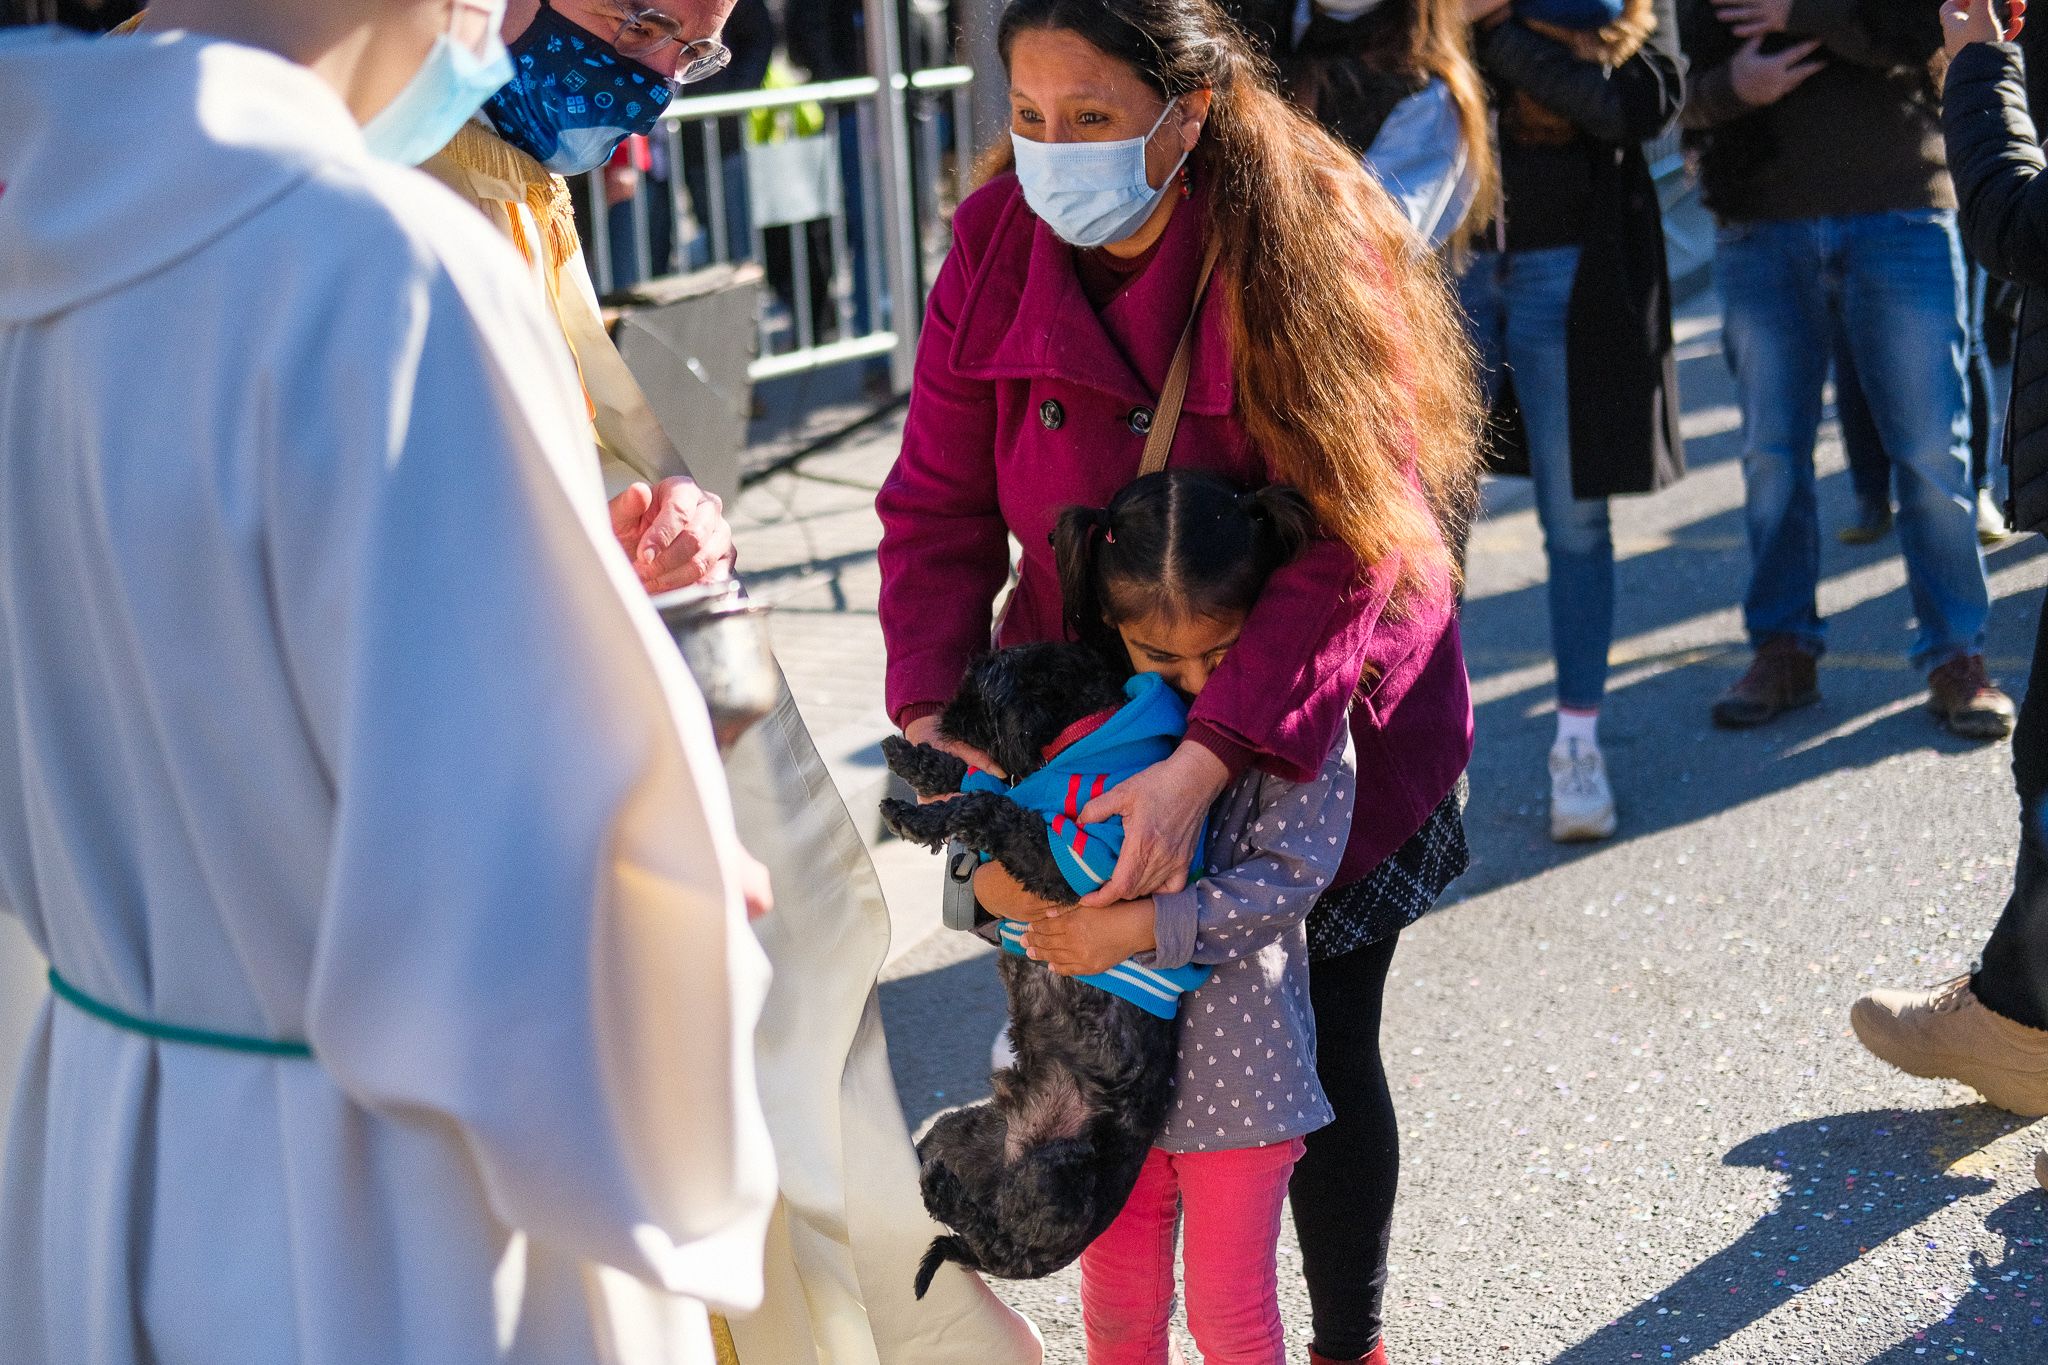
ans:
x=1947 y=1033
x=1965 y=699
x=1781 y=677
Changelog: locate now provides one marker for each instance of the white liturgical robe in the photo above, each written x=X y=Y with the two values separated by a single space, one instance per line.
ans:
x=330 y=713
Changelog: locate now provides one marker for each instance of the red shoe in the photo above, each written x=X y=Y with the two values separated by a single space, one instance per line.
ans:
x=1376 y=1356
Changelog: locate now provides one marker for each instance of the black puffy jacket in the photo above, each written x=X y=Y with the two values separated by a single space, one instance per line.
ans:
x=1995 y=159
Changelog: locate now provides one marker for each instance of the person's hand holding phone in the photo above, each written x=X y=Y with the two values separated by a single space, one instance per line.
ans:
x=1964 y=22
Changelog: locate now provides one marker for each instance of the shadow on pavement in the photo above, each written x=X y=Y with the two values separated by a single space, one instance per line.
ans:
x=940 y=1025
x=2005 y=1304
x=1669 y=765
x=1851 y=1183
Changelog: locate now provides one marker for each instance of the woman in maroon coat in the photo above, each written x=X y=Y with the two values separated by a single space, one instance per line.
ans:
x=1326 y=355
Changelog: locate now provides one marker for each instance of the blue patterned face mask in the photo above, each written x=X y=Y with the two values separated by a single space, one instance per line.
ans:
x=573 y=98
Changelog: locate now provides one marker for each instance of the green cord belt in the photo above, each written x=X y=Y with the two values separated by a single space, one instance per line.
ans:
x=172 y=1033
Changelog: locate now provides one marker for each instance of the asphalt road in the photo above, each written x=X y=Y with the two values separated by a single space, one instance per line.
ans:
x=1635 y=1123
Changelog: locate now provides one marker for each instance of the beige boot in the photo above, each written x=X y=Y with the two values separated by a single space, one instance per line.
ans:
x=1947 y=1033
x=2041 y=1167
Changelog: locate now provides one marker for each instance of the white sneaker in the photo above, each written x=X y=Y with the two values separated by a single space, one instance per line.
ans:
x=1581 y=802
x=1991 y=527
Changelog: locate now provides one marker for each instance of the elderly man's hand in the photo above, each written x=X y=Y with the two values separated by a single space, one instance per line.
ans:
x=674 y=533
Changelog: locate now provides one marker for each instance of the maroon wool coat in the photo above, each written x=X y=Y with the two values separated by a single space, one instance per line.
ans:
x=1025 y=402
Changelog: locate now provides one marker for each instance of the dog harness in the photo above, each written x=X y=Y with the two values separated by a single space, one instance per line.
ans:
x=1089 y=758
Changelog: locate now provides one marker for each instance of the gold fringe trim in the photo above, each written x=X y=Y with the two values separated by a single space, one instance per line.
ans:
x=481 y=152
x=721 y=1342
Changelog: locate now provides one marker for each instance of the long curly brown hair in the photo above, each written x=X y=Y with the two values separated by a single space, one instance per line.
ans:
x=1353 y=374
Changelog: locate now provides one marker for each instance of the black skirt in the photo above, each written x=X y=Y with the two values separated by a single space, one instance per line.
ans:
x=1400 y=890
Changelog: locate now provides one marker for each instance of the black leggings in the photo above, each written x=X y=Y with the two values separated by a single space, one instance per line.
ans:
x=2013 y=977
x=1342 y=1193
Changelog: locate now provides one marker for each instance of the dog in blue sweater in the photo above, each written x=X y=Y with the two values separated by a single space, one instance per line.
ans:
x=1027 y=1179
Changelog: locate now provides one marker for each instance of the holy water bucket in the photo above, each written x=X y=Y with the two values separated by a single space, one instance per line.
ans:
x=724 y=639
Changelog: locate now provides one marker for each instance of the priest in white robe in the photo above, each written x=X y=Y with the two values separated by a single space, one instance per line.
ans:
x=404 y=1000
x=850 y=1227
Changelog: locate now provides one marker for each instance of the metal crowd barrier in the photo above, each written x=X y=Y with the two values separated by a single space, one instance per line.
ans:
x=846 y=206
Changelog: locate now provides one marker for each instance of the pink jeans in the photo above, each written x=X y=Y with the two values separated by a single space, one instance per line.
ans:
x=1230 y=1202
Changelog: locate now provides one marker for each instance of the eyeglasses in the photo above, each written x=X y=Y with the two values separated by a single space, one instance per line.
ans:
x=646 y=32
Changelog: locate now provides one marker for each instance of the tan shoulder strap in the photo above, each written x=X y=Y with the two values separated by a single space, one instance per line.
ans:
x=1159 y=441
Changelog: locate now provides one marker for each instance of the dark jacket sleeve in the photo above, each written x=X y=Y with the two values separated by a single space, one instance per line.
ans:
x=1633 y=102
x=1710 y=98
x=1995 y=159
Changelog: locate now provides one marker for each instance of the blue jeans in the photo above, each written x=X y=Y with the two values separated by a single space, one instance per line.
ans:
x=1516 y=304
x=1887 y=287
x=1870 y=469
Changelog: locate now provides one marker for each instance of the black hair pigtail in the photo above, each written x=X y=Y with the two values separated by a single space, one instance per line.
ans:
x=1077 y=546
x=1283 y=523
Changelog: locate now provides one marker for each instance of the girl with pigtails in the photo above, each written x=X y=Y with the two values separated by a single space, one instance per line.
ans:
x=1162 y=581
x=1167 y=239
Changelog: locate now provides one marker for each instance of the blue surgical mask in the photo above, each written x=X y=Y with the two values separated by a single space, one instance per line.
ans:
x=573 y=98
x=1091 y=193
x=451 y=85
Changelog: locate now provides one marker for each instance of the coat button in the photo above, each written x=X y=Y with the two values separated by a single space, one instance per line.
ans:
x=1051 y=415
x=1139 y=420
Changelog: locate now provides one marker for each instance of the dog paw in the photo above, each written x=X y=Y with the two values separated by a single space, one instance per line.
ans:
x=930 y=772
x=914 y=823
x=900 y=754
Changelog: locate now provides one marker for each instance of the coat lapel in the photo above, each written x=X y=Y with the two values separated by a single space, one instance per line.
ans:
x=1148 y=316
x=1026 y=316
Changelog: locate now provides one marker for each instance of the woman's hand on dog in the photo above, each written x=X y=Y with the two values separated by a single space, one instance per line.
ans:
x=925 y=730
x=1163 y=808
x=1002 y=894
x=1083 y=940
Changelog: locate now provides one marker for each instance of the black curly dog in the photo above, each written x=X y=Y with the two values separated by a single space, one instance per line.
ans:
x=1027 y=1179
